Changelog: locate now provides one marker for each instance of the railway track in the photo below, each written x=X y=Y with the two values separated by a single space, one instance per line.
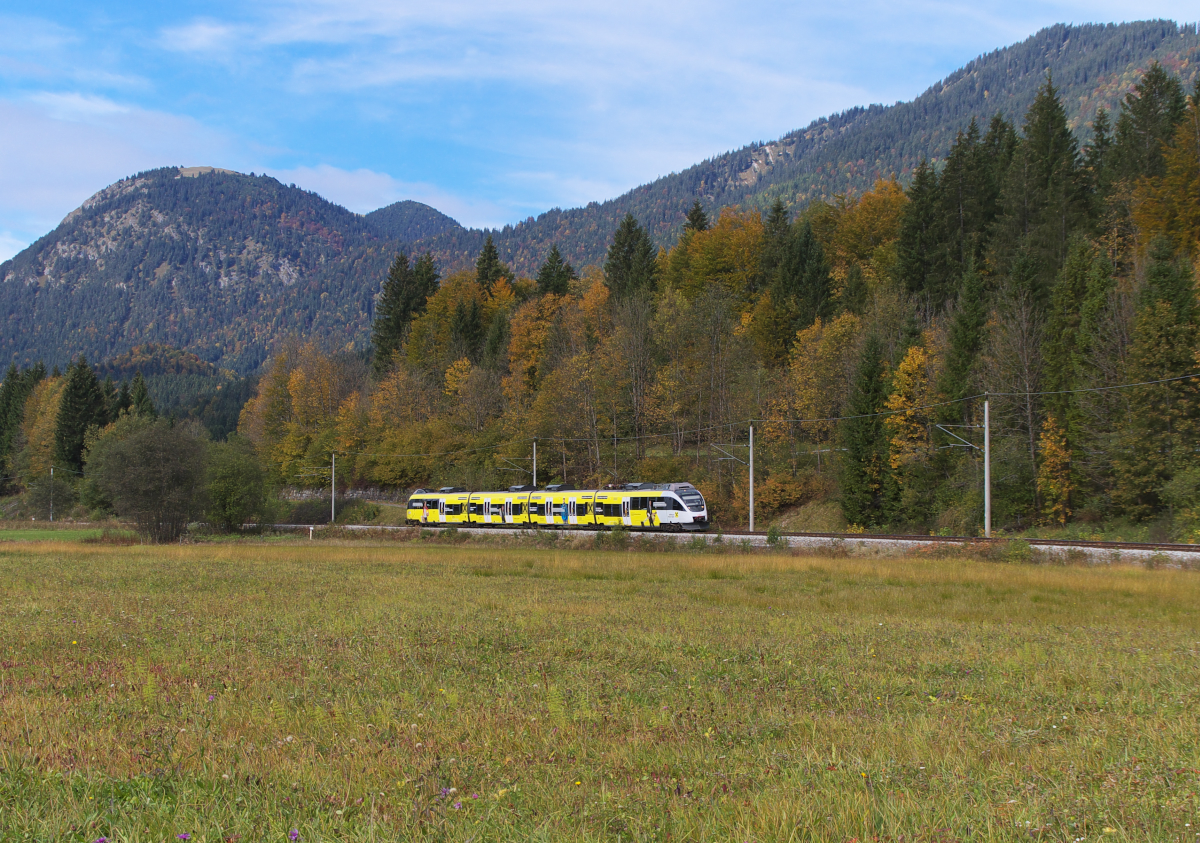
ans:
x=1181 y=554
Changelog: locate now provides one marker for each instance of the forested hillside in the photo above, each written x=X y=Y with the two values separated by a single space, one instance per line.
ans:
x=1093 y=66
x=1054 y=276
x=227 y=266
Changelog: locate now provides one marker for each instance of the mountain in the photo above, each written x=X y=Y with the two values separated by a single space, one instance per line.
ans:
x=225 y=265
x=410 y=221
x=210 y=261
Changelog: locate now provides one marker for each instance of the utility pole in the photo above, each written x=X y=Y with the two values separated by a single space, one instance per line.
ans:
x=51 y=494
x=333 y=488
x=987 y=470
x=535 y=463
x=752 y=477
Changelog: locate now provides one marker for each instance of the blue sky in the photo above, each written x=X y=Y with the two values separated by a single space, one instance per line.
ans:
x=490 y=112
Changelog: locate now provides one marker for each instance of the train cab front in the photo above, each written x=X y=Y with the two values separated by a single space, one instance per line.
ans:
x=694 y=516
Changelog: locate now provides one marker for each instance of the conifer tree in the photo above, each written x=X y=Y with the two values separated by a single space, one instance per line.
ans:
x=13 y=394
x=405 y=291
x=488 y=267
x=82 y=407
x=1044 y=200
x=630 y=265
x=1097 y=158
x=697 y=220
x=1158 y=439
x=803 y=281
x=1149 y=115
x=555 y=275
x=967 y=203
x=776 y=229
x=864 y=437
x=466 y=329
x=140 y=403
x=920 y=248
x=966 y=339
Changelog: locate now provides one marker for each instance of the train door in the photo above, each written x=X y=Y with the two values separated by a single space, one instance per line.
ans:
x=625 y=518
x=571 y=512
x=442 y=510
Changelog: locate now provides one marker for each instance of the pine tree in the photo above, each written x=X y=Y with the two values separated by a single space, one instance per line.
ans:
x=697 y=220
x=965 y=191
x=82 y=407
x=920 y=247
x=405 y=291
x=140 y=403
x=630 y=265
x=488 y=267
x=864 y=438
x=555 y=275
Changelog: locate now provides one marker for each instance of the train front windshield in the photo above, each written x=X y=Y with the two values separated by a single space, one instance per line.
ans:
x=691 y=499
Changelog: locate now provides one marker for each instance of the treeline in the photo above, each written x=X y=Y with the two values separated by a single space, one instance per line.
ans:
x=74 y=444
x=859 y=333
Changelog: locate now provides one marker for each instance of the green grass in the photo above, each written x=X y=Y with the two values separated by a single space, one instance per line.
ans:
x=376 y=691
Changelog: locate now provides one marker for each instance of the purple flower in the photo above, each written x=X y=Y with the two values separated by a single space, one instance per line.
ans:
x=211 y=697
x=294 y=835
x=457 y=805
x=184 y=836
x=101 y=840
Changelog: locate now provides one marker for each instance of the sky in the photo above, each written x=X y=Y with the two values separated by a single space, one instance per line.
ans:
x=490 y=112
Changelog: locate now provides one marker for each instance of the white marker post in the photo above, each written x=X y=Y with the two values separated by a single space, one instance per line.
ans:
x=987 y=471
x=752 y=478
x=333 y=489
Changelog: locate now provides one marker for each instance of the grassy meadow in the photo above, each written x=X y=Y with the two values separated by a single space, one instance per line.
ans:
x=381 y=691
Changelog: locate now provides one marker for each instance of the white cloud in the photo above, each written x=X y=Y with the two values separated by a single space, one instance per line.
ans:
x=58 y=150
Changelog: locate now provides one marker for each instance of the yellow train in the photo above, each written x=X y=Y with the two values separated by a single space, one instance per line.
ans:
x=670 y=507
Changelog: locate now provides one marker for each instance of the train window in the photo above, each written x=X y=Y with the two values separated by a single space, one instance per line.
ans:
x=536 y=508
x=475 y=509
x=454 y=509
x=581 y=509
x=416 y=504
x=518 y=509
x=660 y=504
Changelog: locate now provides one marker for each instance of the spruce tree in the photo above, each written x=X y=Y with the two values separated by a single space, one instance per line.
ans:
x=488 y=267
x=920 y=248
x=804 y=281
x=405 y=291
x=466 y=329
x=555 y=275
x=1149 y=115
x=140 y=403
x=957 y=380
x=82 y=407
x=630 y=265
x=13 y=394
x=697 y=220
x=1158 y=439
x=776 y=229
x=864 y=461
x=1097 y=158
x=1044 y=198
x=967 y=204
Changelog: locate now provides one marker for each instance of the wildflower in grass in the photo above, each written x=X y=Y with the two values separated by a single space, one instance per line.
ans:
x=457 y=805
x=211 y=697
x=294 y=835
x=183 y=836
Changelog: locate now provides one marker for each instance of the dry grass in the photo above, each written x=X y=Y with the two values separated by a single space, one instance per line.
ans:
x=359 y=691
